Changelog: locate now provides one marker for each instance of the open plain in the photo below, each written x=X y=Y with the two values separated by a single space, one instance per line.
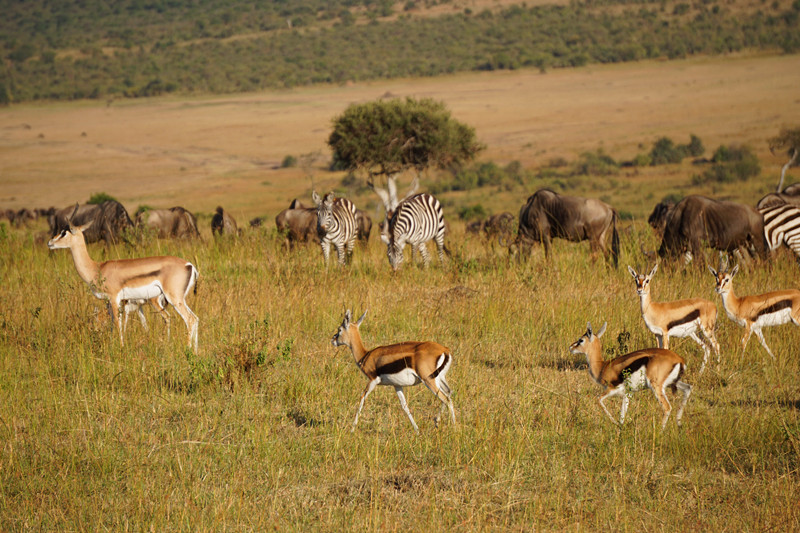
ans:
x=252 y=432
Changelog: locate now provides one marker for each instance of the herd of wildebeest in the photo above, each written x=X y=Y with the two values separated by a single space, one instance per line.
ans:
x=687 y=229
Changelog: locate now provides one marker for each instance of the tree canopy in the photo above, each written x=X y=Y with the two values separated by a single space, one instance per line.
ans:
x=788 y=139
x=389 y=137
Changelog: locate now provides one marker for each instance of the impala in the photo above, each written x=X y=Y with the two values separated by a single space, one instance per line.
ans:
x=680 y=318
x=123 y=280
x=654 y=368
x=398 y=365
x=756 y=311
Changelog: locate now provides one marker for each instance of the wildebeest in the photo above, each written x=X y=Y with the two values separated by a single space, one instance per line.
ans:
x=499 y=226
x=299 y=224
x=175 y=222
x=658 y=218
x=548 y=214
x=222 y=223
x=722 y=225
x=109 y=220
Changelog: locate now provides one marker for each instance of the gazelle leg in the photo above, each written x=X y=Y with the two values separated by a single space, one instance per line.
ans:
x=370 y=387
x=442 y=392
x=603 y=405
x=686 y=389
x=116 y=318
x=404 y=405
x=760 y=336
x=190 y=319
x=661 y=396
x=712 y=339
x=706 y=350
x=660 y=340
x=626 y=400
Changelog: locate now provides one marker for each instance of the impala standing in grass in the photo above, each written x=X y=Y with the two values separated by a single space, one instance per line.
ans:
x=654 y=368
x=680 y=318
x=399 y=365
x=756 y=311
x=124 y=280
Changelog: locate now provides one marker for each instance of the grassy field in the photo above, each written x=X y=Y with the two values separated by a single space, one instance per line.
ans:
x=253 y=432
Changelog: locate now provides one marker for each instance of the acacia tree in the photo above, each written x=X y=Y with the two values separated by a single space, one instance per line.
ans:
x=386 y=138
x=788 y=139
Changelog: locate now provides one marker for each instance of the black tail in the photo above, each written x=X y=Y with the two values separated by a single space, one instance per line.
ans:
x=614 y=240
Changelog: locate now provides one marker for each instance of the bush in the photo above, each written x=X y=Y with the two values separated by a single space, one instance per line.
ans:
x=595 y=164
x=289 y=161
x=471 y=212
x=100 y=197
x=665 y=152
x=731 y=163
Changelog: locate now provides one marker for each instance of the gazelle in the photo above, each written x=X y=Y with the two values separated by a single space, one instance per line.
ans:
x=123 y=280
x=399 y=365
x=680 y=318
x=654 y=368
x=756 y=311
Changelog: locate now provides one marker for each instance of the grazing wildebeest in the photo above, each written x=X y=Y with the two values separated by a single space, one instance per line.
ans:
x=175 y=222
x=364 y=226
x=108 y=221
x=298 y=223
x=722 y=225
x=548 y=214
x=222 y=223
x=658 y=218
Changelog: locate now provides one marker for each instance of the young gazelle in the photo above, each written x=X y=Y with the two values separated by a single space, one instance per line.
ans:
x=399 y=365
x=654 y=368
x=756 y=311
x=680 y=318
x=123 y=280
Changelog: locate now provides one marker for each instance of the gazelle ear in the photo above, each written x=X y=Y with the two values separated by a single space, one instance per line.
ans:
x=315 y=197
x=633 y=272
x=653 y=271
x=360 y=320
x=83 y=228
x=589 y=329
x=734 y=271
x=602 y=330
x=347 y=317
x=713 y=272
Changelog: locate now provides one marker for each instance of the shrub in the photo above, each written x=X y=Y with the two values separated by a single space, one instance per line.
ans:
x=731 y=163
x=289 y=161
x=471 y=212
x=100 y=197
x=595 y=164
x=665 y=152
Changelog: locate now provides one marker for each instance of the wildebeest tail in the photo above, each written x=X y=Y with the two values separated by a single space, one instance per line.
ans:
x=614 y=239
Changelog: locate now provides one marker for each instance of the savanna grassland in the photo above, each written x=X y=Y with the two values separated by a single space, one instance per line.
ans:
x=253 y=432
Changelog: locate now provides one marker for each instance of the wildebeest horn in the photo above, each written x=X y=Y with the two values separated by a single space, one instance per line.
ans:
x=74 y=212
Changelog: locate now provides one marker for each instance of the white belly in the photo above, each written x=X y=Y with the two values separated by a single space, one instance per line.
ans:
x=405 y=378
x=775 y=319
x=684 y=330
x=144 y=292
x=637 y=381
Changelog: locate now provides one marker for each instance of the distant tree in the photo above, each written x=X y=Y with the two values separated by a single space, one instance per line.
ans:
x=388 y=137
x=788 y=139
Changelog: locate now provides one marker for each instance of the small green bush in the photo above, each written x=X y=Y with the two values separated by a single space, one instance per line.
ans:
x=100 y=197
x=731 y=163
x=289 y=161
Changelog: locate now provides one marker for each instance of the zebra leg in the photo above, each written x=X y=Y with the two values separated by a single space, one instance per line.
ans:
x=340 y=253
x=440 y=247
x=423 y=251
x=326 y=249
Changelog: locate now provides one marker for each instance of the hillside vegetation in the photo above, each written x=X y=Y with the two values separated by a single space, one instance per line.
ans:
x=74 y=50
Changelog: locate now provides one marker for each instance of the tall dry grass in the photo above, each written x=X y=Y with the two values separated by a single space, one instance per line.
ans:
x=253 y=432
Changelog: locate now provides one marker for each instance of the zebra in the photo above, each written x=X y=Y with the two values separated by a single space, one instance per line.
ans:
x=336 y=224
x=416 y=220
x=782 y=226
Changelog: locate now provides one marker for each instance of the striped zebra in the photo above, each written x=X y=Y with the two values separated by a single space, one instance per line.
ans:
x=336 y=224
x=416 y=220
x=782 y=226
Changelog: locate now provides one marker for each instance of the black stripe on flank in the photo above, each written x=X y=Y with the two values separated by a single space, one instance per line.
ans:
x=629 y=370
x=774 y=308
x=153 y=274
x=694 y=315
x=394 y=367
x=441 y=367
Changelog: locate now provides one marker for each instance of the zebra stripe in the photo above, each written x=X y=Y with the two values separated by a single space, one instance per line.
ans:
x=336 y=225
x=782 y=226
x=416 y=220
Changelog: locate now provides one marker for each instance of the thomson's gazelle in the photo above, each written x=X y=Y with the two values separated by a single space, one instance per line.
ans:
x=124 y=280
x=400 y=365
x=654 y=368
x=756 y=311
x=680 y=318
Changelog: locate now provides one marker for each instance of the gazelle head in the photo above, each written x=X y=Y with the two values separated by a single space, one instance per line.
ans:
x=581 y=346
x=642 y=281
x=70 y=236
x=324 y=209
x=724 y=278
x=343 y=335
